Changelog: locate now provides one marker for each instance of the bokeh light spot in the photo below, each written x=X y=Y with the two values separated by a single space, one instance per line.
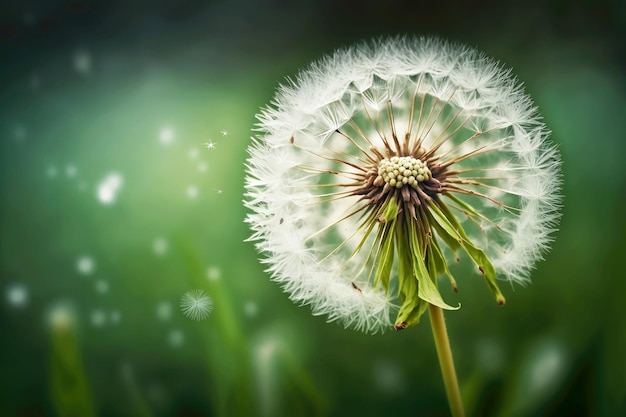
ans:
x=98 y=318
x=17 y=295
x=166 y=136
x=192 y=192
x=213 y=273
x=109 y=187
x=85 y=265
x=176 y=338
x=82 y=62
x=102 y=286
x=160 y=246
x=164 y=311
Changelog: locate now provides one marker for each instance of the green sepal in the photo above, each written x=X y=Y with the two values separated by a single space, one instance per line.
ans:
x=385 y=258
x=439 y=263
x=449 y=225
x=412 y=306
x=427 y=286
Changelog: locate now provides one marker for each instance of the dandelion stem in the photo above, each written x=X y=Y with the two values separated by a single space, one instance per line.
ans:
x=442 y=343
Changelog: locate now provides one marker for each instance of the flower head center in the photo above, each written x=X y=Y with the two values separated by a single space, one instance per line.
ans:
x=399 y=171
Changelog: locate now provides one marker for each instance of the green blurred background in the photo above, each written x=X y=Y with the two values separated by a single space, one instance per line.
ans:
x=112 y=208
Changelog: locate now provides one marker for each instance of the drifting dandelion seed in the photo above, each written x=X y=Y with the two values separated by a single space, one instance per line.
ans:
x=85 y=265
x=225 y=132
x=196 y=305
x=210 y=145
x=17 y=295
x=387 y=160
x=219 y=191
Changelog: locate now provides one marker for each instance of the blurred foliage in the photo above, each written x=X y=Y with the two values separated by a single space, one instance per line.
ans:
x=136 y=90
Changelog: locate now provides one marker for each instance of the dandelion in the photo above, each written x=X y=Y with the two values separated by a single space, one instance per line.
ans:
x=379 y=166
x=210 y=145
x=196 y=305
x=225 y=132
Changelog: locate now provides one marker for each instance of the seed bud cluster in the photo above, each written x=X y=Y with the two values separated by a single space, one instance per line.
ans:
x=402 y=170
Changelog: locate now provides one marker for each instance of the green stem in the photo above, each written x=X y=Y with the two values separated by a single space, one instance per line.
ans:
x=442 y=343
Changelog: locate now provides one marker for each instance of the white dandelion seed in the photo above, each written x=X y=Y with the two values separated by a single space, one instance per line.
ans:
x=225 y=132
x=210 y=145
x=378 y=165
x=196 y=305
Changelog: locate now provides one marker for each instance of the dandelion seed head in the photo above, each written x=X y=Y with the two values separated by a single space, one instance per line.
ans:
x=196 y=305
x=393 y=147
